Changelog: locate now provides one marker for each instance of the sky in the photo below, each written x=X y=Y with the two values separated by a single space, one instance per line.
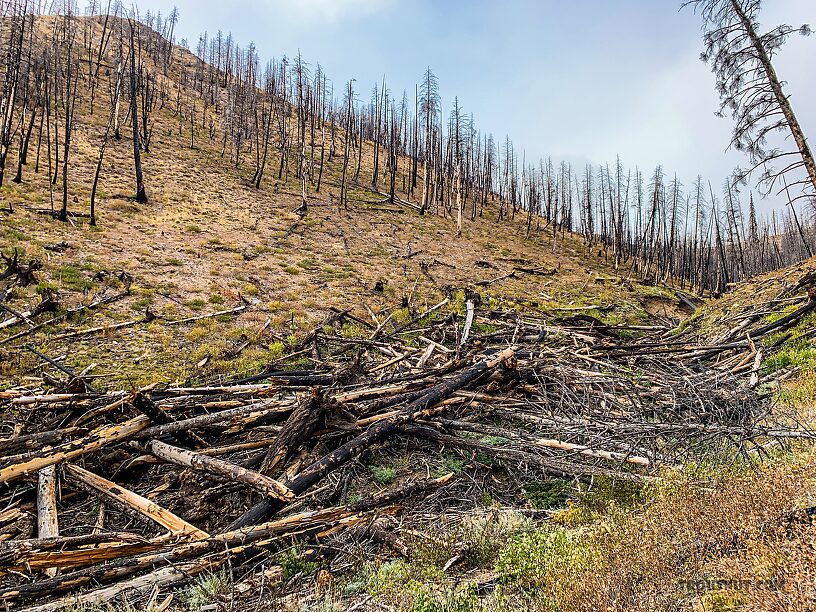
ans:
x=583 y=80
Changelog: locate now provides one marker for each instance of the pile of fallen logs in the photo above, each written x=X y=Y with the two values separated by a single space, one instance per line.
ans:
x=105 y=493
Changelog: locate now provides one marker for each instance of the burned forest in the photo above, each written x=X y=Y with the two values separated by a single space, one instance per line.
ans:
x=274 y=341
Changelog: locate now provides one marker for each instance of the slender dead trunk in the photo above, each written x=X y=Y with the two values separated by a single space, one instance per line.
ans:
x=781 y=98
x=141 y=195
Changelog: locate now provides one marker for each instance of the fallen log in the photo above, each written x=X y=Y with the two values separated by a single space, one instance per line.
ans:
x=47 y=521
x=151 y=510
x=230 y=417
x=222 y=468
x=232 y=542
x=69 y=552
x=527 y=439
x=67 y=314
x=97 y=439
x=377 y=432
x=298 y=427
x=38 y=440
x=556 y=467
x=148 y=407
x=164 y=577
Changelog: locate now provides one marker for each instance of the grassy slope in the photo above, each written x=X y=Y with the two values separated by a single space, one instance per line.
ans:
x=207 y=237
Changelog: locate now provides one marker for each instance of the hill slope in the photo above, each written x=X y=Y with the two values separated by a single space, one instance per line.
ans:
x=587 y=446
x=207 y=237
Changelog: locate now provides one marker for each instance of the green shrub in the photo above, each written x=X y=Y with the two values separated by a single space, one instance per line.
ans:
x=427 y=600
x=527 y=559
x=292 y=562
x=383 y=474
x=206 y=589
x=548 y=494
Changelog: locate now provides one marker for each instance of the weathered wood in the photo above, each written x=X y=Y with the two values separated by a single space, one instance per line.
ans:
x=232 y=543
x=222 y=468
x=225 y=417
x=38 y=440
x=47 y=521
x=556 y=467
x=97 y=439
x=176 y=525
x=74 y=551
x=160 y=578
x=527 y=439
x=372 y=435
x=148 y=407
x=298 y=427
x=471 y=310
x=211 y=315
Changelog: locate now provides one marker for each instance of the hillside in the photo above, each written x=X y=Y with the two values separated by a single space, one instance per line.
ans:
x=222 y=399
x=207 y=238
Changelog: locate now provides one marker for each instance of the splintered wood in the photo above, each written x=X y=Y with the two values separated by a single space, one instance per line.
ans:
x=200 y=477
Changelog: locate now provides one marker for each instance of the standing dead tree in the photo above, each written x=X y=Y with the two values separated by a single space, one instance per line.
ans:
x=349 y=126
x=117 y=88
x=141 y=195
x=13 y=69
x=750 y=89
x=70 y=72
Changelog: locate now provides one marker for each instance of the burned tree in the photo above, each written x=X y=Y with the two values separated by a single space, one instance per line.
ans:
x=751 y=91
x=429 y=103
x=141 y=195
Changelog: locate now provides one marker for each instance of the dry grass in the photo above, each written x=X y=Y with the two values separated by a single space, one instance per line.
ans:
x=207 y=237
x=729 y=538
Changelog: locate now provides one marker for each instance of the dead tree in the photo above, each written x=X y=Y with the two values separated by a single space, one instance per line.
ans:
x=71 y=70
x=751 y=91
x=141 y=195
x=429 y=107
x=349 y=123
x=117 y=87
x=9 y=93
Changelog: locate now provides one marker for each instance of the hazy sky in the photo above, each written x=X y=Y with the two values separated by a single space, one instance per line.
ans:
x=579 y=79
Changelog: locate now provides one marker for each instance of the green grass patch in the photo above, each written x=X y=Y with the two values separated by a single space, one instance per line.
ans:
x=799 y=353
x=383 y=474
x=196 y=304
x=548 y=493
x=292 y=562
x=72 y=278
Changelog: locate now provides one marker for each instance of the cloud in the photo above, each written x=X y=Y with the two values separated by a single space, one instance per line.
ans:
x=328 y=11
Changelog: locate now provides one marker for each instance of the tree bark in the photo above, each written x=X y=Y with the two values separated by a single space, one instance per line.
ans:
x=377 y=432
x=231 y=471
